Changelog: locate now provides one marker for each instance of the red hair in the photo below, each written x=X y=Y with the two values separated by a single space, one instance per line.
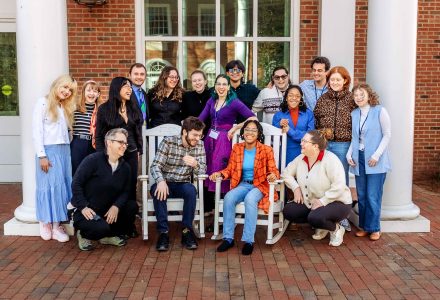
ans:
x=343 y=72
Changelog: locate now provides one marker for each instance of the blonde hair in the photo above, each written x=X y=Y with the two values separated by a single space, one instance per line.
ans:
x=68 y=104
x=82 y=100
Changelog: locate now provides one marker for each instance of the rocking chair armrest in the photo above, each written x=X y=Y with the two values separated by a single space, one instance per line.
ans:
x=143 y=177
x=201 y=176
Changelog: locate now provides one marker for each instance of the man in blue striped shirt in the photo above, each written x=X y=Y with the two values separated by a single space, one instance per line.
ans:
x=313 y=89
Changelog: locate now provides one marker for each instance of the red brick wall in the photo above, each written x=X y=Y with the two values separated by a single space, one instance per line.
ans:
x=360 y=41
x=101 y=42
x=427 y=115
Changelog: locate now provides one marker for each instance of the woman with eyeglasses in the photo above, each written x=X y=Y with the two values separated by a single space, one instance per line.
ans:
x=251 y=167
x=120 y=112
x=165 y=99
x=295 y=119
x=270 y=98
x=52 y=119
x=321 y=197
x=83 y=128
x=222 y=109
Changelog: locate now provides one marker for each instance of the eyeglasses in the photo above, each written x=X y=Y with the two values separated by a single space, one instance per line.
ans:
x=283 y=77
x=306 y=141
x=297 y=97
x=174 y=77
x=251 y=130
x=122 y=143
x=237 y=71
x=221 y=84
x=198 y=136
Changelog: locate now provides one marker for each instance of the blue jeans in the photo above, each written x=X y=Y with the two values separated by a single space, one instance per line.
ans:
x=184 y=190
x=369 y=190
x=250 y=195
x=340 y=149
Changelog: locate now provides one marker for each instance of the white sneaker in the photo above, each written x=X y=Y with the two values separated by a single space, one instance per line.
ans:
x=45 y=231
x=320 y=234
x=59 y=234
x=337 y=236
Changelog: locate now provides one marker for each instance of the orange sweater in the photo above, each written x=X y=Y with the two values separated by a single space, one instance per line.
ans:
x=263 y=165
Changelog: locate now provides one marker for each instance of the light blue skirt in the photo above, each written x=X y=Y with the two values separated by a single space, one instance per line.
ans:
x=54 y=188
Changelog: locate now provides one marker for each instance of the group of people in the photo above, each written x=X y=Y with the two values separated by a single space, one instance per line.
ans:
x=88 y=152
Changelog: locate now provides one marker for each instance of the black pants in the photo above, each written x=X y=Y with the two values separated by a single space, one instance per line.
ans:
x=324 y=217
x=95 y=230
x=79 y=149
x=132 y=159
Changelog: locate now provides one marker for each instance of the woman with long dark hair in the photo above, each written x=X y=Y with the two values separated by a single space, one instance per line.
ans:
x=223 y=109
x=120 y=112
x=295 y=119
x=165 y=98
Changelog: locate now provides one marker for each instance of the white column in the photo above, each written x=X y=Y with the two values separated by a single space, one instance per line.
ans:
x=42 y=55
x=391 y=71
x=337 y=32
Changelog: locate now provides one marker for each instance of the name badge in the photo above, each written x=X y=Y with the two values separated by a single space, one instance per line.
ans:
x=213 y=134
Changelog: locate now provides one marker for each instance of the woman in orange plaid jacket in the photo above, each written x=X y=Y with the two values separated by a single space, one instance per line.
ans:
x=251 y=165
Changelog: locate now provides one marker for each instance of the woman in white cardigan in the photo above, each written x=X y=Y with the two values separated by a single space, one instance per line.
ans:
x=321 y=197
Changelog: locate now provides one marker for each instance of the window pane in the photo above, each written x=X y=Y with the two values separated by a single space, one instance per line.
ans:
x=274 y=18
x=157 y=56
x=199 y=17
x=237 y=50
x=236 y=18
x=198 y=55
x=160 y=17
x=8 y=75
x=271 y=55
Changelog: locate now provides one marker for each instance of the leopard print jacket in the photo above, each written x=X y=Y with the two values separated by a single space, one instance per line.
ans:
x=333 y=113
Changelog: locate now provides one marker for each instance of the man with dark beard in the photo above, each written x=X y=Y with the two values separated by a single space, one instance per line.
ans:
x=177 y=158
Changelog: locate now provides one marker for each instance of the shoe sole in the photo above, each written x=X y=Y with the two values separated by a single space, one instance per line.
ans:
x=320 y=237
x=191 y=247
x=162 y=249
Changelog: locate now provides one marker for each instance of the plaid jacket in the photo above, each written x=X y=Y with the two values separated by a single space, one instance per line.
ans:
x=264 y=164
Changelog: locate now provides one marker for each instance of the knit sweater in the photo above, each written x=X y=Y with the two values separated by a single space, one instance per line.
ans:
x=325 y=180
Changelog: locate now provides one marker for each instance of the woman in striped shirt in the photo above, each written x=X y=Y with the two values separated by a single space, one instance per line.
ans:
x=83 y=129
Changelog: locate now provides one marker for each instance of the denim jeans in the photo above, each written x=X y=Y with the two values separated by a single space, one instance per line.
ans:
x=184 y=190
x=340 y=149
x=369 y=190
x=250 y=195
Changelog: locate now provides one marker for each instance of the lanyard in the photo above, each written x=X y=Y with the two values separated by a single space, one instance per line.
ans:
x=316 y=93
x=217 y=113
x=362 y=126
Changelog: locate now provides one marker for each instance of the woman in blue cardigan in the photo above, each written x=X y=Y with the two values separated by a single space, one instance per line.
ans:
x=295 y=119
x=368 y=157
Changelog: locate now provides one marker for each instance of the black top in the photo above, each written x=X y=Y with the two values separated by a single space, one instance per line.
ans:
x=247 y=93
x=193 y=103
x=167 y=111
x=134 y=129
x=94 y=185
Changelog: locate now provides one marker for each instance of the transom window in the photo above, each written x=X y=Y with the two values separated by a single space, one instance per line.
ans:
x=206 y=34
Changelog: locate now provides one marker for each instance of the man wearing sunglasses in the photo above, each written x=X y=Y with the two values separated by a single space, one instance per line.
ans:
x=100 y=190
x=246 y=92
x=314 y=88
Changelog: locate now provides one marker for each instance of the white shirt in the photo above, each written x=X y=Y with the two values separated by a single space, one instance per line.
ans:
x=268 y=100
x=325 y=181
x=46 y=132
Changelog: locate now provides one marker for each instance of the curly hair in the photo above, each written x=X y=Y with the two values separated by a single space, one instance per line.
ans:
x=301 y=106
x=260 y=136
x=373 y=97
x=160 y=88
